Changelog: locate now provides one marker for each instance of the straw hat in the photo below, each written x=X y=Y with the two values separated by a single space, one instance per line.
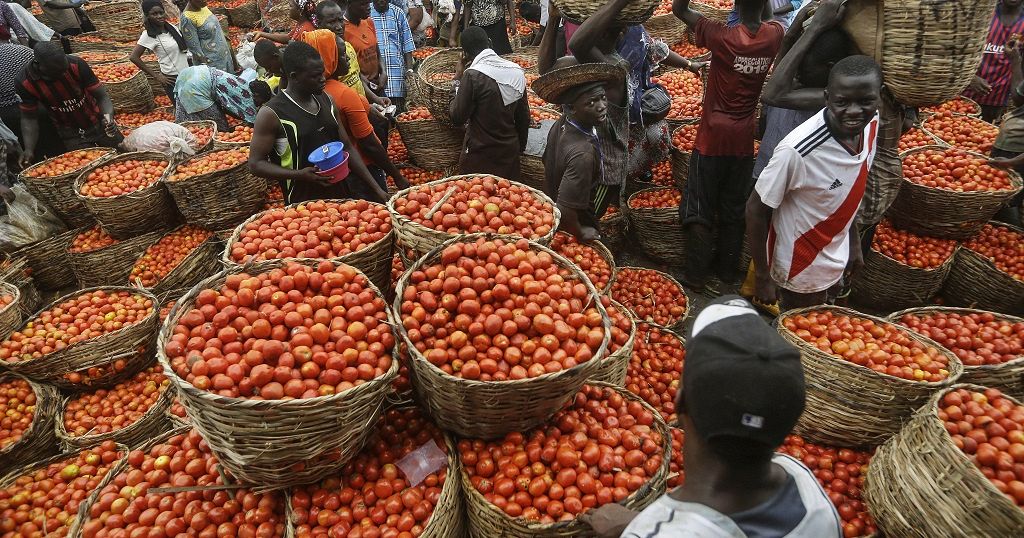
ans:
x=552 y=85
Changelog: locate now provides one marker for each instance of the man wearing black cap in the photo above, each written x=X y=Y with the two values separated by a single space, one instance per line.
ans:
x=742 y=393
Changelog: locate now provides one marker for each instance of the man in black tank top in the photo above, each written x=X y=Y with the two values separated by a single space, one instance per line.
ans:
x=294 y=123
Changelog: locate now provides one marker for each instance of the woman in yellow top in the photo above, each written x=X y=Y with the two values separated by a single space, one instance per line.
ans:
x=205 y=39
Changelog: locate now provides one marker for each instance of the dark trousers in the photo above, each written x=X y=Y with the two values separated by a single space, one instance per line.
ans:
x=713 y=215
x=498 y=32
x=992 y=113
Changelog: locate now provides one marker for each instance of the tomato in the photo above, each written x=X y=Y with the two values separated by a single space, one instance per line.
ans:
x=106 y=410
x=918 y=251
x=975 y=338
x=650 y=295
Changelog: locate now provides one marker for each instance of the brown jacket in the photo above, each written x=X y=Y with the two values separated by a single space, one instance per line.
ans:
x=495 y=134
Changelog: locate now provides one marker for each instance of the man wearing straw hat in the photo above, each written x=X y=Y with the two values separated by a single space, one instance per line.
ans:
x=573 y=163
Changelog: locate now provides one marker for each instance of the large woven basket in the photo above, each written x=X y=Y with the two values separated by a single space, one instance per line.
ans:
x=10 y=314
x=15 y=271
x=531 y=171
x=1008 y=376
x=419 y=238
x=487 y=521
x=40 y=439
x=615 y=366
x=373 y=260
x=200 y=148
x=491 y=409
x=277 y=443
x=974 y=281
x=111 y=265
x=58 y=192
x=658 y=230
x=219 y=199
x=944 y=213
x=152 y=423
x=101 y=58
x=106 y=375
x=714 y=13
x=635 y=12
x=146 y=210
x=92 y=41
x=437 y=96
x=887 y=283
x=919 y=484
x=51 y=269
x=246 y=15
x=676 y=325
x=667 y=28
x=850 y=405
x=680 y=161
x=116 y=19
x=431 y=145
x=203 y=261
x=929 y=50
x=132 y=95
x=94 y=351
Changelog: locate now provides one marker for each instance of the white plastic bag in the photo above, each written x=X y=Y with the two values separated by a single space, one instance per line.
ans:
x=427 y=22
x=246 y=55
x=168 y=138
x=27 y=220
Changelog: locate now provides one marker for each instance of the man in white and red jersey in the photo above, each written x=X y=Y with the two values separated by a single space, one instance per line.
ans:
x=803 y=205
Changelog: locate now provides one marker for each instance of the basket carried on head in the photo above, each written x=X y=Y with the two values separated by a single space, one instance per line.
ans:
x=58 y=191
x=635 y=12
x=374 y=260
x=434 y=89
x=51 y=269
x=713 y=12
x=1007 y=376
x=94 y=351
x=277 y=443
x=133 y=94
x=201 y=262
x=110 y=265
x=10 y=313
x=431 y=145
x=490 y=409
x=39 y=440
x=419 y=238
x=615 y=366
x=219 y=199
x=116 y=19
x=667 y=28
x=145 y=210
x=658 y=229
x=975 y=281
x=929 y=50
x=487 y=520
x=152 y=422
x=946 y=213
x=920 y=484
x=852 y=405
x=887 y=283
x=246 y=15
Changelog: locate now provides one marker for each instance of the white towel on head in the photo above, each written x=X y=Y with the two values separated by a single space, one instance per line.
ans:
x=509 y=76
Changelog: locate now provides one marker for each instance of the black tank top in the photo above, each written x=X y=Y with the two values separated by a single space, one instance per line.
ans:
x=304 y=132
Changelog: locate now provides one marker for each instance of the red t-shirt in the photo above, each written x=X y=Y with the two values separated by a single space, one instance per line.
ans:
x=740 y=60
x=363 y=37
x=355 y=110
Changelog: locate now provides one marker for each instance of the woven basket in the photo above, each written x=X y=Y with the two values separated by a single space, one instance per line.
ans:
x=887 y=283
x=79 y=45
x=680 y=161
x=613 y=231
x=262 y=441
x=146 y=210
x=525 y=55
x=437 y=96
x=615 y=366
x=974 y=105
x=431 y=145
x=132 y=95
x=487 y=521
x=635 y=12
x=1008 y=376
x=667 y=28
x=714 y=13
x=373 y=260
x=95 y=351
x=676 y=326
x=246 y=15
x=851 y=405
x=202 y=123
x=487 y=410
x=203 y=261
x=40 y=439
x=152 y=423
x=929 y=50
x=975 y=282
x=943 y=213
x=531 y=171
x=136 y=360
x=116 y=19
x=101 y=58
x=111 y=265
x=10 y=315
x=658 y=230
x=419 y=238
x=16 y=272
x=51 y=269
x=219 y=199
x=920 y=484
x=58 y=192
x=278 y=16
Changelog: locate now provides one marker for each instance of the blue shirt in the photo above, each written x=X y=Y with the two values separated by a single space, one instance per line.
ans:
x=394 y=39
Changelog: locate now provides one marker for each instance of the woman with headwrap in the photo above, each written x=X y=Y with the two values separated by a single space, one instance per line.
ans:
x=303 y=12
x=204 y=36
x=163 y=40
x=203 y=92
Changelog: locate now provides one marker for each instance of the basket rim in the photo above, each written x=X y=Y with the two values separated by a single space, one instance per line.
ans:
x=1015 y=179
x=960 y=97
x=955 y=367
x=191 y=180
x=672 y=279
x=426 y=67
x=897 y=315
x=138 y=155
x=85 y=229
x=22 y=176
x=154 y=413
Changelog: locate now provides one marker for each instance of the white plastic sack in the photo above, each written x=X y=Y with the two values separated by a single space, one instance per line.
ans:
x=427 y=22
x=246 y=55
x=27 y=220
x=168 y=138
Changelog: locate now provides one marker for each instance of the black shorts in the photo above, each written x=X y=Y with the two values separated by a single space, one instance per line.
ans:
x=716 y=189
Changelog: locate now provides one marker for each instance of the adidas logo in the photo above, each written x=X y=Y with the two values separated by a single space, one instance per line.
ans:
x=835 y=185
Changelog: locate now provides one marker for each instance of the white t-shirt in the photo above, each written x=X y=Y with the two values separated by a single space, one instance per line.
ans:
x=171 y=59
x=667 y=517
x=815 y=187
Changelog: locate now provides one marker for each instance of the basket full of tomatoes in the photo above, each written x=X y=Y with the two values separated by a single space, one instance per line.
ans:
x=664 y=25
x=903 y=269
x=955 y=465
x=481 y=366
x=10 y=314
x=97 y=259
x=593 y=258
x=205 y=132
x=29 y=409
x=127 y=86
x=654 y=218
x=684 y=138
x=177 y=261
x=865 y=376
x=958 y=105
x=435 y=83
x=281 y=365
x=988 y=271
x=215 y=190
x=126 y=196
x=949 y=192
x=53 y=182
x=652 y=296
x=429 y=144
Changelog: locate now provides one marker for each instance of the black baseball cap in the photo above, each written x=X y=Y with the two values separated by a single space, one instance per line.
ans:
x=741 y=378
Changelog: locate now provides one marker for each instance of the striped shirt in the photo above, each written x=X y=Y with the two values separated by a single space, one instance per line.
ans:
x=68 y=99
x=394 y=40
x=995 y=67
